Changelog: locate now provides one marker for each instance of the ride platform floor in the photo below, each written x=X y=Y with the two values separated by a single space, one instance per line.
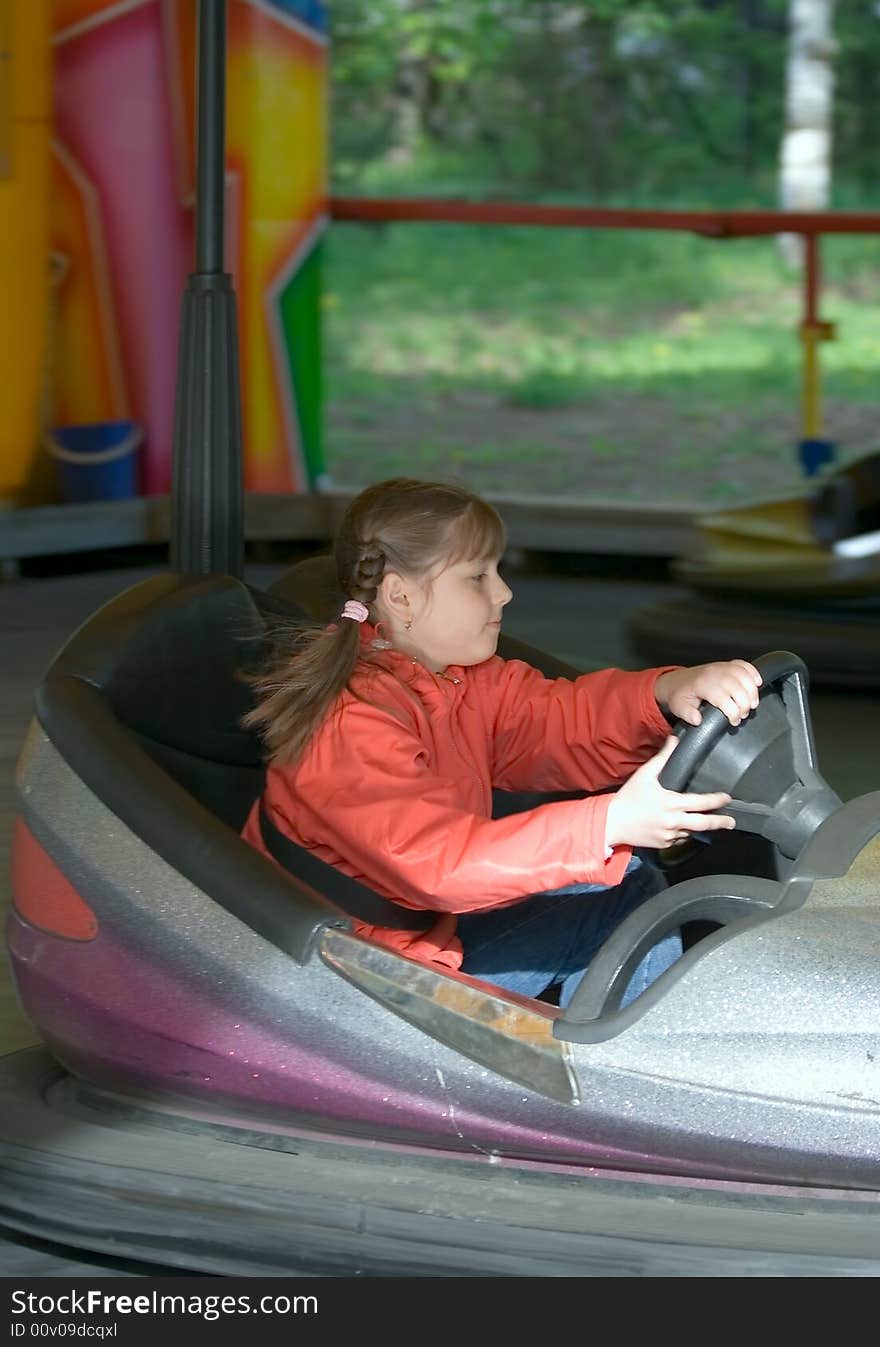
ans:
x=578 y=613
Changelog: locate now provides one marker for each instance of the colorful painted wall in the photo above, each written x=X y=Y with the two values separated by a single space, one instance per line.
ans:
x=25 y=122
x=122 y=181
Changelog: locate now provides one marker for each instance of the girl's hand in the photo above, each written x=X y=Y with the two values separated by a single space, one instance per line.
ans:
x=644 y=814
x=731 y=685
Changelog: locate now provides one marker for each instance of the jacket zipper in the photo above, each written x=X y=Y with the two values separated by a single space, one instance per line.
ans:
x=459 y=743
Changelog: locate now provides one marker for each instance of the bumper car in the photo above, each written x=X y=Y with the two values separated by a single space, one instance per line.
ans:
x=234 y=1083
x=804 y=571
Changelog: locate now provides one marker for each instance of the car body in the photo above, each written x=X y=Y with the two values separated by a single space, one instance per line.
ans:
x=226 y=1053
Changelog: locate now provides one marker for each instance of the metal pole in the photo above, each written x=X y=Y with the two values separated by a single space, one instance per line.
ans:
x=811 y=415
x=814 y=449
x=207 y=497
x=211 y=142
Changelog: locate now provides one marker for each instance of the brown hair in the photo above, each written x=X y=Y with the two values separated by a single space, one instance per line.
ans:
x=401 y=525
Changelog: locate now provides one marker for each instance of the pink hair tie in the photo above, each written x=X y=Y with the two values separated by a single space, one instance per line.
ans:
x=357 y=611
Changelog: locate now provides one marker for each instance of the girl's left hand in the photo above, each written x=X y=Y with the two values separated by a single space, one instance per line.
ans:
x=731 y=685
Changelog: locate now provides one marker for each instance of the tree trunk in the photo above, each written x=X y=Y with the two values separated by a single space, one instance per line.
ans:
x=805 y=160
x=407 y=115
x=547 y=129
x=603 y=92
x=748 y=88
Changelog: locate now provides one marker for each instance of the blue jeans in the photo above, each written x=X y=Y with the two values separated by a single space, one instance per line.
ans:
x=548 y=940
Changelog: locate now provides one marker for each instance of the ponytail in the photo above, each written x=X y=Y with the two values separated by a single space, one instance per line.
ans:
x=311 y=667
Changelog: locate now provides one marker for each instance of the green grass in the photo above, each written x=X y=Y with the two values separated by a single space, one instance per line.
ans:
x=437 y=335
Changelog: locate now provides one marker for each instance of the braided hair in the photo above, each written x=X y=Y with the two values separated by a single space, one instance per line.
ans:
x=400 y=525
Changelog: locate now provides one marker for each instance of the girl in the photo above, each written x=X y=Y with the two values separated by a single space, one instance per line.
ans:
x=387 y=731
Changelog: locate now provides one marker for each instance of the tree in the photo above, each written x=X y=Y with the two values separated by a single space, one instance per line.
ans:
x=805 y=160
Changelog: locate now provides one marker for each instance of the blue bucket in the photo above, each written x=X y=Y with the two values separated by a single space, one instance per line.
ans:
x=98 y=461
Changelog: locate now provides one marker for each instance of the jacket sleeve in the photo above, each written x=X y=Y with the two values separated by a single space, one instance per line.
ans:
x=365 y=797
x=587 y=733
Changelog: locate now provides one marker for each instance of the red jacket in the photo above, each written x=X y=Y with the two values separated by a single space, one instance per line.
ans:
x=395 y=786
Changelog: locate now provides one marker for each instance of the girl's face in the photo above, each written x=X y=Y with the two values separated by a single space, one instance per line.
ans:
x=455 y=614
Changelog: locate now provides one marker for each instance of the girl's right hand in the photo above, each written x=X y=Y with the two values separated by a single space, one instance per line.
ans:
x=643 y=814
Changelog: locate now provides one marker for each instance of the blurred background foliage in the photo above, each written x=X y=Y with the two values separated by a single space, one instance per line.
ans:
x=594 y=361
x=613 y=100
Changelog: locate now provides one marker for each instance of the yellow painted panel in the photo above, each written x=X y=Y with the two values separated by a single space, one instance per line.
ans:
x=783 y=521
x=24 y=242
x=27 y=31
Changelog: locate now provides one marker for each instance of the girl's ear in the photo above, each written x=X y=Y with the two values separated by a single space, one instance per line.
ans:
x=393 y=596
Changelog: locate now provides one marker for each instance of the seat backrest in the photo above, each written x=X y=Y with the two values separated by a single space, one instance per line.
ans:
x=168 y=656
x=848 y=503
x=144 y=703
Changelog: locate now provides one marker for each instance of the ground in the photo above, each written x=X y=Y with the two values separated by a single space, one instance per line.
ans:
x=634 y=447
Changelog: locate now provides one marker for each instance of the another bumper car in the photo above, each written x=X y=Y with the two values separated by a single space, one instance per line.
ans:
x=804 y=572
x=232 y=1082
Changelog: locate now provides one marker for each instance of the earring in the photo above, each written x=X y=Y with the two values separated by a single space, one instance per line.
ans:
x=407 y=625
x=379 y=641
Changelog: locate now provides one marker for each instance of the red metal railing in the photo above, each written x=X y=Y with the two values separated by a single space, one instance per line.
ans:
x=712 y=223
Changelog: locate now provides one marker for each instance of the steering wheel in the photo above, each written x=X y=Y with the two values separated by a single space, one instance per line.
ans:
x=769 y=759
x=767 y=763
x=697 y=741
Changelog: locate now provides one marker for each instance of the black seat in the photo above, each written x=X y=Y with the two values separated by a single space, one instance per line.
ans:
x=144 y=703
x=167 y=656
x=848 y=503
